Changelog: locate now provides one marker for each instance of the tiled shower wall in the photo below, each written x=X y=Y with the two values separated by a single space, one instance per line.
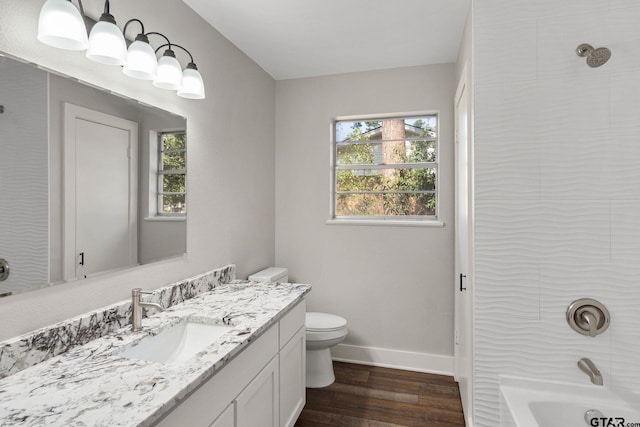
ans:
x=557 y=176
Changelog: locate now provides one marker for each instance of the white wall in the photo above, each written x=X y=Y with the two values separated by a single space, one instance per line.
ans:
x=231 y=171
x=393 y=284
x=464 y=53
x=557 y=191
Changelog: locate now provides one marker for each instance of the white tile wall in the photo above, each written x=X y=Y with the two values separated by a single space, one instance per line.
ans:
x=557 y=172
x=506 y=52
x=507 y=121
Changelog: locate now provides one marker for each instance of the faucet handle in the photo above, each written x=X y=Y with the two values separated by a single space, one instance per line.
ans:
x=592 y=319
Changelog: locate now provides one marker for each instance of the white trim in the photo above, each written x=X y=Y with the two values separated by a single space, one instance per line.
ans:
x=391 y=222
x=383 y=116
x=165 y=218
x=397 y=359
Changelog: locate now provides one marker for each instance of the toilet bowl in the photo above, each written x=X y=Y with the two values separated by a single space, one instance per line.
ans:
x=323 y=331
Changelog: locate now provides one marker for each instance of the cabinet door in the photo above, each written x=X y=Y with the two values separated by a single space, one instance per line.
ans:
x=226 y=419
x=258 y=404
x=292 y=379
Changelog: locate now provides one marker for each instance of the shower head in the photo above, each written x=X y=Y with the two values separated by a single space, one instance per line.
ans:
x=595 y=57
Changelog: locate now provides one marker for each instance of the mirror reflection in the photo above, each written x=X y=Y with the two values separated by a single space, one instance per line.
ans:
x=91 y=182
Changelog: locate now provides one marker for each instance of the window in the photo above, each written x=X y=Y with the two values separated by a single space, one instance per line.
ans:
x=386 y=168
x=172 y=173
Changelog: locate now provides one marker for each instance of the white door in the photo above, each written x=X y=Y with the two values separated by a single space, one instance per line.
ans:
x=462 y=281
x=100 y=192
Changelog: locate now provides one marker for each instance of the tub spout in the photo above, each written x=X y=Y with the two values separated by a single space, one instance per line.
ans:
x=587 y=366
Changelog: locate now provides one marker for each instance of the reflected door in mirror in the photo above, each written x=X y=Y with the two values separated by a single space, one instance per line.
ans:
x=101 y=150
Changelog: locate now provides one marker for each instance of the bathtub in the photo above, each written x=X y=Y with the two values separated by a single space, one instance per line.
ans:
x=531 y=403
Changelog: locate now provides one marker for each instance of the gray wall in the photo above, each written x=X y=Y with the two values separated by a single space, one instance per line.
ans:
x=393 y=284
x=231 y=171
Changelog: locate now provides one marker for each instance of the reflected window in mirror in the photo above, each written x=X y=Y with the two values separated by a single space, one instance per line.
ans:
x=172 y=172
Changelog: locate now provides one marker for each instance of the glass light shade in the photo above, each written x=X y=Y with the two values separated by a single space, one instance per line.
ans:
x=141 y=62
x=192 y=85
x=106 y=44
x=61 y=25
x=169 y=73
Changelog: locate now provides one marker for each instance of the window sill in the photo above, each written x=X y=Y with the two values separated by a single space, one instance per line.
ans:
x=165 y=218
x=389 y=222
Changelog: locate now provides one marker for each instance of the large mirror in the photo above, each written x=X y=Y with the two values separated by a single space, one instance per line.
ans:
x=90 y=182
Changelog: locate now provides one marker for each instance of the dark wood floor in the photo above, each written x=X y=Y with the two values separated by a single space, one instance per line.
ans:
x=382 y=397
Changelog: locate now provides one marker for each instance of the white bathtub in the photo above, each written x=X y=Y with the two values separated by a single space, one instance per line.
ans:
x=530 y=403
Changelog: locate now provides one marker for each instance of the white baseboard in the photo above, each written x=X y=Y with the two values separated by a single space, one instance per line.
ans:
x=384 y=357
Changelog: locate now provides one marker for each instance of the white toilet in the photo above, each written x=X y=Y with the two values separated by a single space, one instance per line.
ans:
x=323 y=332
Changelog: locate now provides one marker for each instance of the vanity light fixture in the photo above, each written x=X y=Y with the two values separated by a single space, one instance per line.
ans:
x=106 y=41
x=61 y=25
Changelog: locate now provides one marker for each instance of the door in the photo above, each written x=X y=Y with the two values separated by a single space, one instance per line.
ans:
x=463 y=240
x=100 y=232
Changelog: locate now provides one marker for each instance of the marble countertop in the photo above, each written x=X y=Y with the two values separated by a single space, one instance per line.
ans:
x=92 y=385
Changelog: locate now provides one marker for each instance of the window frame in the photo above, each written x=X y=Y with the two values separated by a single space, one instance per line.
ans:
x=160 y=173
x=401 y=220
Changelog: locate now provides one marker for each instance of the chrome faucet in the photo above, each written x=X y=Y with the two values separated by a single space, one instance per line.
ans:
x=136 y=308
x=587 y=366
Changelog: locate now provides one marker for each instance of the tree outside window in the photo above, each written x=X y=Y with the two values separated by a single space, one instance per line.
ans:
x=386 y=168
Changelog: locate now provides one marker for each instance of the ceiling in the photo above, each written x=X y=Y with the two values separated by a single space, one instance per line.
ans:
x=304 y=38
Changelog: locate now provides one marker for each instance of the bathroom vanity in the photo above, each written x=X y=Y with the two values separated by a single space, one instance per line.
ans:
x=252 y=374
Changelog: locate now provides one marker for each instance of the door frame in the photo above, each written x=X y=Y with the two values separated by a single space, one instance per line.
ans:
x=463 y=364
x=69 y=250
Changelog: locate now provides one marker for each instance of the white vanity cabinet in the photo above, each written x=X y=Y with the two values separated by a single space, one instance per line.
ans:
x=263 y=386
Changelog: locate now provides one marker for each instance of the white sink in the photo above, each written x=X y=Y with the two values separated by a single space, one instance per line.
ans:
x=177 y=343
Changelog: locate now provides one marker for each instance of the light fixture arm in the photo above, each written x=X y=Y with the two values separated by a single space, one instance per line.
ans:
x=124 y=30
x=141 y=36
x=168 y=43
x=191 y=64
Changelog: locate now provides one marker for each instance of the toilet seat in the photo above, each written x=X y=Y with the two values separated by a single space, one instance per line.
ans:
x=324 y=322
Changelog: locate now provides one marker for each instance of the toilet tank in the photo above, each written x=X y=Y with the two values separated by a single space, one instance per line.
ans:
x=271 y=274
